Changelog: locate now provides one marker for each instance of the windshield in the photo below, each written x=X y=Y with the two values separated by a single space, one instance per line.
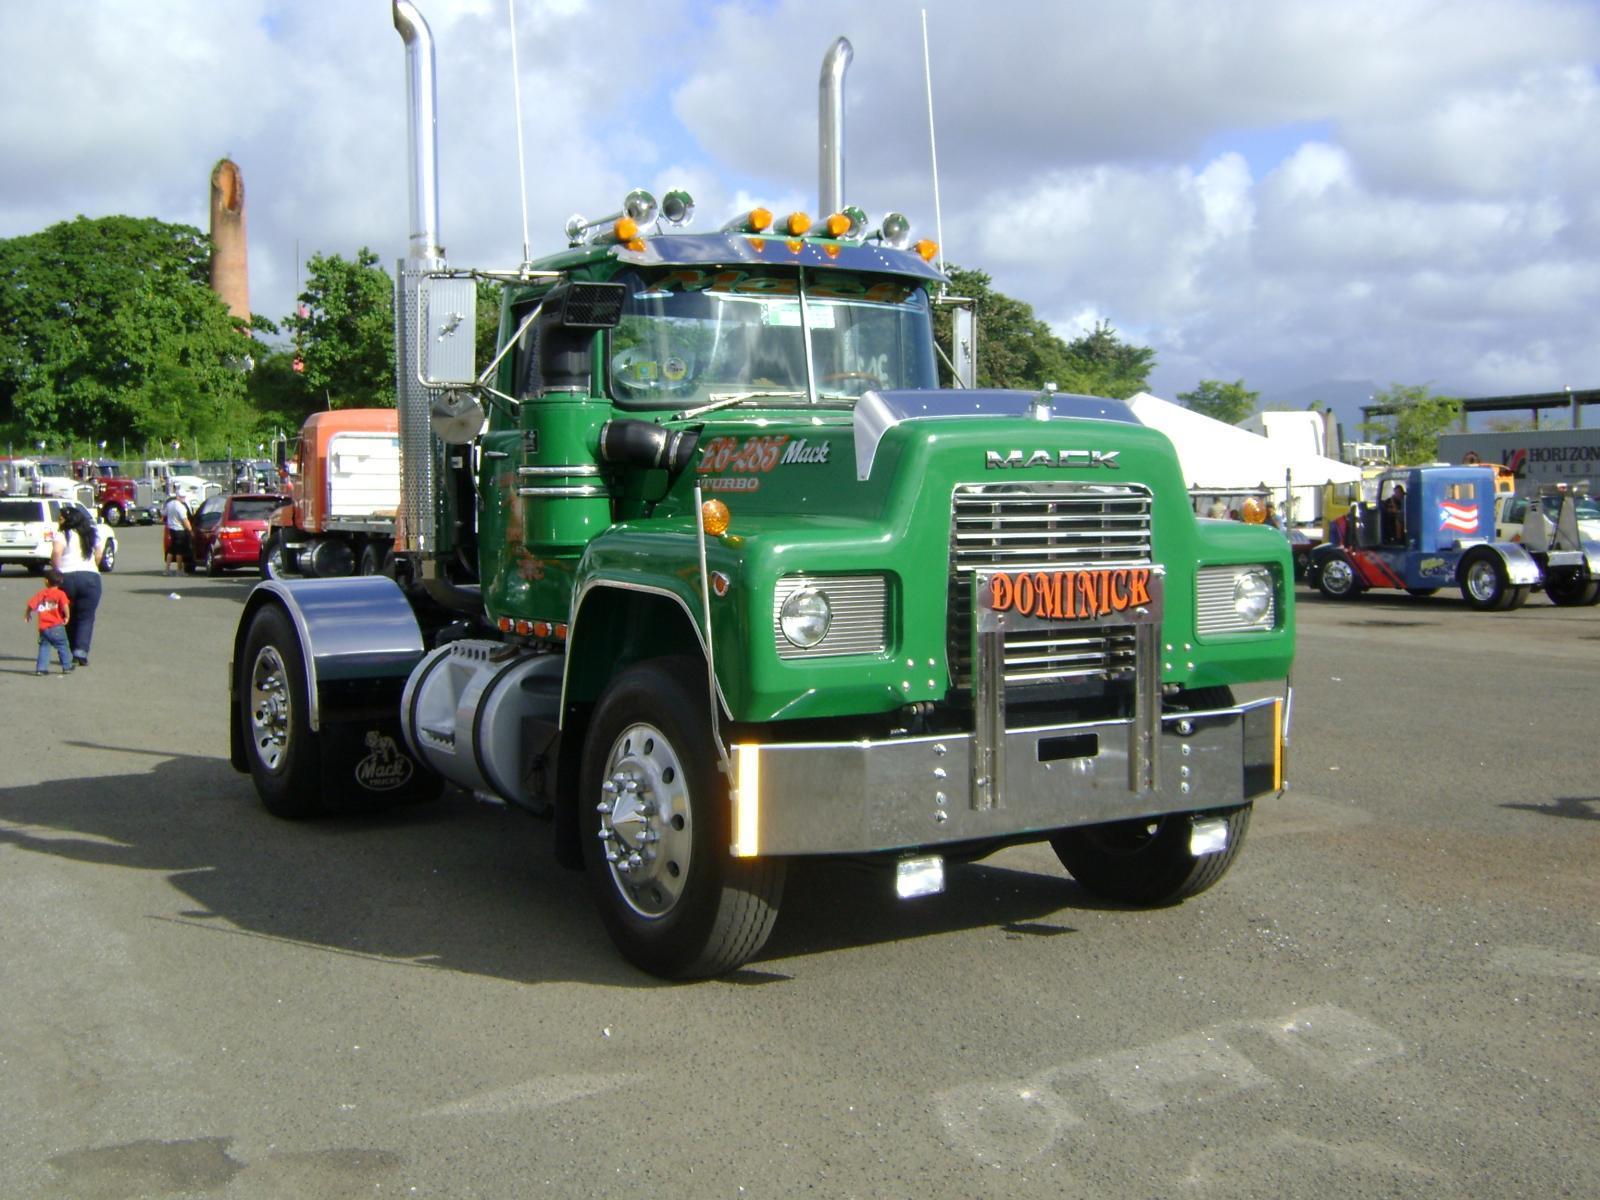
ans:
x=690 y=336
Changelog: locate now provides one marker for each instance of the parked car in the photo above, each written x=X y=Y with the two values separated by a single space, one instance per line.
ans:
x=228 y=530
x=27 y=524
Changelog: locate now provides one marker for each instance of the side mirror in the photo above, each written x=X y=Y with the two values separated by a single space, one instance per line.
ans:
x=449 y=330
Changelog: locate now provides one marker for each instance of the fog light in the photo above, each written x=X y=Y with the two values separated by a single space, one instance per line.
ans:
x=805 y=617
x=1208 y=836
x=922 y=876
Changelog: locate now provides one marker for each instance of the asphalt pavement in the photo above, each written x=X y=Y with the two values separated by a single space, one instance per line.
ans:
x=1393 y=993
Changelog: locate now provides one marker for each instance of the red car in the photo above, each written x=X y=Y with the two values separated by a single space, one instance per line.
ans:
x=228 y=530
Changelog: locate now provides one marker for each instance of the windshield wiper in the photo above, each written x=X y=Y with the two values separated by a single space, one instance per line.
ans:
x=729 y=399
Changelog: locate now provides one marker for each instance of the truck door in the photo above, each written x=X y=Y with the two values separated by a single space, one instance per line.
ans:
x=1392 y=514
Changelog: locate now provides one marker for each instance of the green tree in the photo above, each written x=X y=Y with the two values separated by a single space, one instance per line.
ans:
x=1413 y=429
x=109 y=327
x=1101 y=364
x=1226 y=402
x=1018 y=350
x=344 y=331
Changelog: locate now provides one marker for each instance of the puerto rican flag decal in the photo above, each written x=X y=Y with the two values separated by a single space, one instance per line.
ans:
x=1461 y=518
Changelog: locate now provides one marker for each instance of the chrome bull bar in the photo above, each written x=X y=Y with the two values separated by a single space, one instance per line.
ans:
x=1008 y=601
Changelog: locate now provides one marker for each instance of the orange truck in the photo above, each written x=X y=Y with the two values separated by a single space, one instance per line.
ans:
x=343 y=481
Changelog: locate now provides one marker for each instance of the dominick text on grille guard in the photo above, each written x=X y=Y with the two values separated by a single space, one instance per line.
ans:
x=994 y=459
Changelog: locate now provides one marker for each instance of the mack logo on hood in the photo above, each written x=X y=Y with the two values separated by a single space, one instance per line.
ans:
x=993 y=459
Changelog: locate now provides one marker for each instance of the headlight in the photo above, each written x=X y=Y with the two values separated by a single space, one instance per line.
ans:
x=1235 y=599
x=805 y=617
x=1252 y=595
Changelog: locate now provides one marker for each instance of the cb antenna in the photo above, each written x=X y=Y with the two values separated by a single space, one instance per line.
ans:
x=933 y=148
x=522 y=166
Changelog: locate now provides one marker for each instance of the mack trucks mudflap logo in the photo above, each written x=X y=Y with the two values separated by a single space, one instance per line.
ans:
x=384 y=768
x=1022 y=460
x=1121 y=595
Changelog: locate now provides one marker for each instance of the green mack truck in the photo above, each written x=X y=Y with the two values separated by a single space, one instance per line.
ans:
x=706 y=568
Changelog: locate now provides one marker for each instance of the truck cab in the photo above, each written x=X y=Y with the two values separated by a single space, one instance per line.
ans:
x=726 y=581
x=1425 y=528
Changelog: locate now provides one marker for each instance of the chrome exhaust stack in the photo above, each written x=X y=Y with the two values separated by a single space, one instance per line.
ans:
x=414 y=525
x=830 y=127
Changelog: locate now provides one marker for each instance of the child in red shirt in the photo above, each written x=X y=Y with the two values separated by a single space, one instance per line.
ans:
x=54 y=609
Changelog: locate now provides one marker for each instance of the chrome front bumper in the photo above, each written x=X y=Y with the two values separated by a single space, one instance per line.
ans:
x=904 y=793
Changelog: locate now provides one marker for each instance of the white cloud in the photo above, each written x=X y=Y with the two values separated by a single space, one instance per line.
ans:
x=1283 y=192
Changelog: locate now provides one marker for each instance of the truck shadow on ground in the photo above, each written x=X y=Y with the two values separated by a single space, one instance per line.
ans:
x=454 y=884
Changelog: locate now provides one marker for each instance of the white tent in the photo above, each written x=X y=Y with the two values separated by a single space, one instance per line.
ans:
x=1221 y=459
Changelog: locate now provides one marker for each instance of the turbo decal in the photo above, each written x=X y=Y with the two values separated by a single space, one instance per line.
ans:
x=1069 y=595
x=731 y=483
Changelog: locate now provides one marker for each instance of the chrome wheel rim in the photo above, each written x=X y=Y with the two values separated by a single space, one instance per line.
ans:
x=646 y=826
x=1337 y=576
x=1482 y=580
x=269 y=707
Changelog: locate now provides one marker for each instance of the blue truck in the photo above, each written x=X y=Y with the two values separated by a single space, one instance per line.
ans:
x=1432 y=527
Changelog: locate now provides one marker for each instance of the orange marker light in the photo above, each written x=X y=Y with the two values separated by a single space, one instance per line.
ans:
x=760 y=220
x=626 y=229
x=837 y=225
x=561 y=632
x=927 y=249
x=797 y=224
x=636 y=245
x=714 y=514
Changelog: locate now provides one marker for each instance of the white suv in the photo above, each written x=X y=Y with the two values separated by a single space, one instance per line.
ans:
x=27 y=524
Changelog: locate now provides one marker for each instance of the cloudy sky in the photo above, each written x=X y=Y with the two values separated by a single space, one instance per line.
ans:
x=1285 y=191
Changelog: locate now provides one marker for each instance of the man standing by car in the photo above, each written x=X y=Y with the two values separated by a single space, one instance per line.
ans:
x=179 y=534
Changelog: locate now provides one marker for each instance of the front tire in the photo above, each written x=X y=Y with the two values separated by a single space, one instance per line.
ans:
x=1337 y=579
x=1485 y=585
x=655 y=816
x=274 y=559
x=274 y=713
x=1147 y=861
x=114 y=515
x=108 y=561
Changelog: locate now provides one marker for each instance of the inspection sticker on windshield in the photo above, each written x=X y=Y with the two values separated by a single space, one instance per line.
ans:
x=1101 y=595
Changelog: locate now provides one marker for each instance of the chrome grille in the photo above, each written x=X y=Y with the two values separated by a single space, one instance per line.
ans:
x=858 y=602
x=1045 y=526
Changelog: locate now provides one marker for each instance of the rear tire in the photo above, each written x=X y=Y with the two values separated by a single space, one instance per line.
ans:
x=673 y=899
x=371 y=561
x=274 y=714
x=108 y=560
x=1571 y=590
x=213 y=567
